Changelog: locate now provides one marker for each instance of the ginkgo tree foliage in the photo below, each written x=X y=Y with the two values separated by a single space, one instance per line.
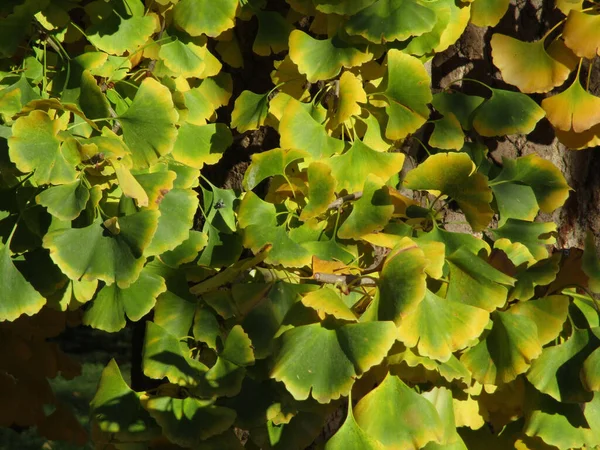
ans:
x=329 y=282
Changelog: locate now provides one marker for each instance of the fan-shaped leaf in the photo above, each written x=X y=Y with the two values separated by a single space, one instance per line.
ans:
x=187 y=251
x=321 y=190
x=184 y=59
x=351 y=437
x=487 y=13
x=573 y=109
x=273 y=33
x=590 y=371
x=529 y=234
x=461 y=105
x=270 y=163
x=250 y=111
x=328 y=301
x=548 y=313
x=351 y=94
x=199 y=17
x=324 y=363
x=580 y=34
x=199 y=145
x=515 y=201
x=447 y=134
x=341 y=6
x=66 y=201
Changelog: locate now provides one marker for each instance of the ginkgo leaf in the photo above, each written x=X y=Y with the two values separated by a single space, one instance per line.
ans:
x=289 y=79
x=442 y=400
x=439 y=327
x=112 y=303
x=119 y=27
x=202 y=101
x=370 y=213
x=515 y=201
x=565 y=6
x=273 y=33
x=328 y=301
x=36 y=146
x=106 y=256
x=580 y=33
x=459 y=19
x=454 y=174
x=187 y=251
x=312 y=359
x=573 y=109
x=590 y=370
x=351 y=93
x=177 y=210
x=447 y=134
x=487 y=13
x=298 y=129
x=250 y=111
x=199 y=17
x=506 y=352
x=392 y=20
x=269 y=163
x=460 y=105
x=556 y=371
x=520 y=114
x=128 y=184
x=349 y=169
x=536 y=236
x=65 y=201
x=340 y=6
x=321 y=190
x=259 y=221
x=13 y=97
x=547 y=181
x=199 y=145
x=529 y=66
x=548 y=313
x=351 y=437
x=149 y=123
x=323 y=59
x=475 y=282
x=426 y=42
x=156 y=185
x=406 y=87
x=455 y=241
x=540 y=274
x=398 y=417
x=184 y=59
x=402 y=284
x=17 y=296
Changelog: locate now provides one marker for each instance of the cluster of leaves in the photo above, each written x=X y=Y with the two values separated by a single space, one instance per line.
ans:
x=342 y=285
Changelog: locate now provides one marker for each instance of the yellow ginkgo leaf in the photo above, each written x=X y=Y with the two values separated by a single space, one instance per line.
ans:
x=574 y=109
x=581 y=34
x=579 y=141
x=351 y=93
x=566 y=6
x=529 y=66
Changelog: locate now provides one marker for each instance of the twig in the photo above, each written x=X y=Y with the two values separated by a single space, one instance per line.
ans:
x=346 y=198
x=344 y=280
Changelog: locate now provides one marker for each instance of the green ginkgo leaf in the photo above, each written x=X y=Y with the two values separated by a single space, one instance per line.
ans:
x=156 y=185
x=515 y=201
x=548 y=313
x=540 y=71
x=166 y=356
x=392 y=20
x=402 y=283
x=13 y=97
x=506 y=352
x=350 y=168
x=112 y=303
x=249 y=111
x=487 y=13
x=533 y=235
x=270 y=163
x=273 y=33
x=580 y=33
x=321 y=190
x=540 y=274
x=507 y=112
x=351 y=437
x=475 y=282
x=65 y=201
x=259 y=221
x=177 y=210
x=455 y=241
x=406 y=87
x=199 y=145
x=461 y=105
x=547 y=181
x=128 y=184
x=426 y=43
x=36 y=146
x=189 y=421
x=186 y=59
x=299 y=130
x=370 y=213
x=439 y=327
x=328 y=301
x=341 y=6
x=92 y=100
x=447 y=133
x=199 y=17
x=573 y=109
x=556 y=371
x=187 y=251
x=398 y=417
x=312 y=359
x=17 y=296
x=590 y=262
x=454 y=174
x=118 y=27
x=149 y=123
x=323 y=59
x=590 y=371
x=202 y=101
x=93 y=252
x=128 y=419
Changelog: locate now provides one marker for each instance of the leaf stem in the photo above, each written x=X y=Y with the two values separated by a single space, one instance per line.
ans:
x=337 y=203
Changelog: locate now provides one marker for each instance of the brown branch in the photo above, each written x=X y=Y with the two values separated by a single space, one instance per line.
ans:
x=344 y=280
x=337 y=203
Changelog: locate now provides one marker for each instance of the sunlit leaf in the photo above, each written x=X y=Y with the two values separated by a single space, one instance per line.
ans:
x=439 y=327
x=507 y=112
x=249 y=111
x=199 y=17
x=323 y=59
x=66 y=201
x=269 y=163
x=534 y=235
x=461 y=105
x=515 y=201
x=548 y=313
x=321 y=190
x=540 y=274
x=454 y=174
x=312 y=359
x=442 y=400
x=392 y=20
x=580 y=34
x=149 y=123
x=291 y=81
x=573 y=109
x=156 y=185
x=398 y=417
x=590 y=371
x=529 y=66
x=447 y=134
x=128 y=184
x=328 y=301
x=187 y=251
x=506 y=352
x=341 y=6
x=351 y=437
x=487 y=13
x=428 y=41
x=455 y=241
x=351 y=93
x=184 y=59
x=199 y=145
